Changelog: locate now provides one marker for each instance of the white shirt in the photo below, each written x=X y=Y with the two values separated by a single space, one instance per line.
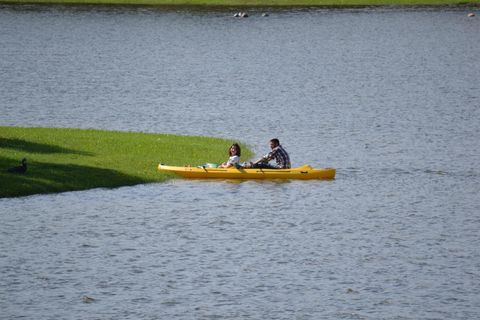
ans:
x=233 y=160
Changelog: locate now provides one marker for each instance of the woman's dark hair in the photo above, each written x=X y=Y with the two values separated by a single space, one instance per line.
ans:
x=239 y=151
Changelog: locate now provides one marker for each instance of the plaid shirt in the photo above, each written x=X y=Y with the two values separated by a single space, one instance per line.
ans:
x=280 y=156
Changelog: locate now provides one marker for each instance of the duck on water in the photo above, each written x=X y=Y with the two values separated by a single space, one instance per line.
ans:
x=241 y=15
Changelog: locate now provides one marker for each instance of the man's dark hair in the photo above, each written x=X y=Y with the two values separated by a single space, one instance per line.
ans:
x=275 y=141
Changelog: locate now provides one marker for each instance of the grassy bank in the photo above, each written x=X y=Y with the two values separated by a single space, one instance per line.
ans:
x=73 y=159
x=255 y=3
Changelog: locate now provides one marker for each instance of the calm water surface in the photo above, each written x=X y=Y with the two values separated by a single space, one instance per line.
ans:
x=391 y=98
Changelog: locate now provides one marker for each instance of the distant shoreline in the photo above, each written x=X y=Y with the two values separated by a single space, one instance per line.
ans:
x=253 y=3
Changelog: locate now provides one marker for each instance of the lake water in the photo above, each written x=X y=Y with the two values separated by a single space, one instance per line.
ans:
x=389 y=97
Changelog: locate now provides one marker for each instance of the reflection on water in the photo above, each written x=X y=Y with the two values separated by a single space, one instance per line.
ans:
x=388 y=97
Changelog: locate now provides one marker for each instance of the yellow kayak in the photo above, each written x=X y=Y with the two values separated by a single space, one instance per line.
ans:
x=304 y=172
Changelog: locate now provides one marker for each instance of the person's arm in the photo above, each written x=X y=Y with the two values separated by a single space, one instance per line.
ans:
x=267 y=157
x=262 y=159
x=232 y=161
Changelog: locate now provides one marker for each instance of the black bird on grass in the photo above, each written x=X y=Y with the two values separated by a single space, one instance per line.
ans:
x=19 y=169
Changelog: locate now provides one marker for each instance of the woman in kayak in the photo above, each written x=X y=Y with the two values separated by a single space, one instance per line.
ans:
x=234 y=153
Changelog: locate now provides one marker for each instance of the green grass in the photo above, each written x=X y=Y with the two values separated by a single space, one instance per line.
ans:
x=74 y=159
x=254 y=3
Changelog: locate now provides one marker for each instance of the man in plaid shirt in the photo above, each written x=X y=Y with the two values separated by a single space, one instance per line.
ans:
x=278 y=153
